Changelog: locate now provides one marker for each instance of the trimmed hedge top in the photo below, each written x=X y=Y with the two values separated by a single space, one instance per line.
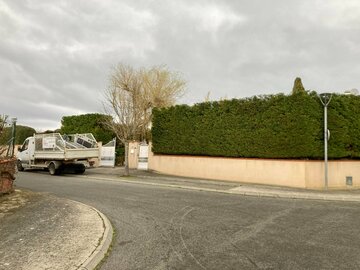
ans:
x=272 y=126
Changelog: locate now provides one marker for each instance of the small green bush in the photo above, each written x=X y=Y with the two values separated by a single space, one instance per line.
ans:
x=22 y=132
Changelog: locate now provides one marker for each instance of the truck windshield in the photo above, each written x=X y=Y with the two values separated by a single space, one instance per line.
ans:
x=25 y=145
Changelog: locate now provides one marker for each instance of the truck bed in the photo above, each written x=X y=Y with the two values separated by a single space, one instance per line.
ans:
x=53 y=146
x=68 y=154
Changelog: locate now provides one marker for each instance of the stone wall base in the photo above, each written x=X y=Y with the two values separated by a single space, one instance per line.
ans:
x=6 y=185
x=7 y=175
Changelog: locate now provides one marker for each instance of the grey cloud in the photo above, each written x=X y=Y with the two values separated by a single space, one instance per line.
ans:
x=55 y=57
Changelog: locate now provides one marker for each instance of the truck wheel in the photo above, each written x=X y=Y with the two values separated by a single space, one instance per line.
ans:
x=19 y=166
x=80 y=169
x=52 y=169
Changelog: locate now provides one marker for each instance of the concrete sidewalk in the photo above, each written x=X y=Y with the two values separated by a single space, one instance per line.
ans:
x=152 y=178
x=41 y=231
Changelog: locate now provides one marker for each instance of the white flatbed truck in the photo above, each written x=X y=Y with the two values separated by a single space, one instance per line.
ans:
x=57 y=152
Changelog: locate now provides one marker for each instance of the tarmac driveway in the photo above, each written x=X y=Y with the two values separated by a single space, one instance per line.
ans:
x=167 y=228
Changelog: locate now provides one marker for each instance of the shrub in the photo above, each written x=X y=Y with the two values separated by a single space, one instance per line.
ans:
x=271 y=126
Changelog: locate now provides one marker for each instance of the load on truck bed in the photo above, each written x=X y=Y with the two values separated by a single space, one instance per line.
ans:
x=57 y=152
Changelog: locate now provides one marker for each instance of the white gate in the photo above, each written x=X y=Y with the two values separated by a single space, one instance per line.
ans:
x=107 y=155
x=143 y=156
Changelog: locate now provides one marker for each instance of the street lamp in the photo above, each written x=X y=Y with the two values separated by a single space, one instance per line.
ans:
x=10 y=151
x=325 y=99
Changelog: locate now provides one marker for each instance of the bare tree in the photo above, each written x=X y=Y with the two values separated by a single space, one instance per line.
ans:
x=207 y=97
x=131 y=96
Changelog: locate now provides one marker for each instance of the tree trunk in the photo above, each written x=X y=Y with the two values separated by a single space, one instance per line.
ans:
x=126 y=159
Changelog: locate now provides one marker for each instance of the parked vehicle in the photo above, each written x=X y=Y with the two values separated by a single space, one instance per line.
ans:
x=57 y=152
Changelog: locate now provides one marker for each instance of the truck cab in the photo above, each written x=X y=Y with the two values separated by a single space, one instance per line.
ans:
x=25 y=154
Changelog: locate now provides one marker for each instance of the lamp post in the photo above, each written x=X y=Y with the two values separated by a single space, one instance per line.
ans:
x=11 y=147
x=325 y=99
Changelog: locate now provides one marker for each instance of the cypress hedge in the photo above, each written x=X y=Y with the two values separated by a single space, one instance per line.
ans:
x=271 y=126
x=87 y=123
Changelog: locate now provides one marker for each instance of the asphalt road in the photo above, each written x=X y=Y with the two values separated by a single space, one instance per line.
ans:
x=165 y=228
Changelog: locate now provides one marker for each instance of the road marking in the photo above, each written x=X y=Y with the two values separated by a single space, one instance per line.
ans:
x=183 y=241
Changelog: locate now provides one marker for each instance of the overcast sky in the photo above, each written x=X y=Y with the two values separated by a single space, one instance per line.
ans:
x=56 y=56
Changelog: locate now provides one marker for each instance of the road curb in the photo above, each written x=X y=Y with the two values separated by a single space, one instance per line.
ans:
x=100 y=251
x=316 y=197
x=269 y=194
